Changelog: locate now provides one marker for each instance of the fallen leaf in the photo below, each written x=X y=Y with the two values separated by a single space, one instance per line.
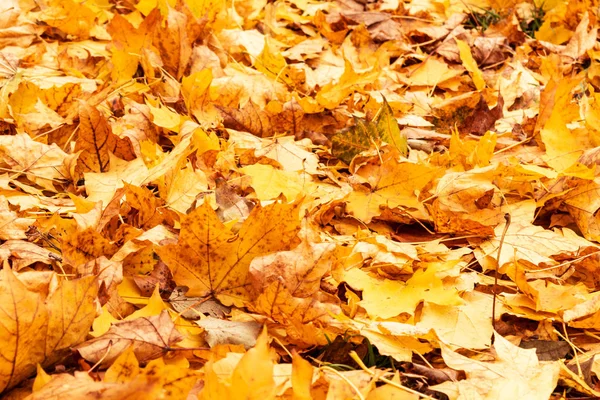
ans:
x=213 y=261
x=23 y=313
x=501 y=376
x=220 y=331
x=151 y=337
x=96 y=140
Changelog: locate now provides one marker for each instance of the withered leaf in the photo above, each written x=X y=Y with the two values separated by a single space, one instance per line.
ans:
x=211 y=260
x=71 y=311
x=483 y=118
x=23 y=322
x=219 y=331
x=173 y=40
x=369 y=134
x=151 y=337
x=286 y=118
x=96 y=141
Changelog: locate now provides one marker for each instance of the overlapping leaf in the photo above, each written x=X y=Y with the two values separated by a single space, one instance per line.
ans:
x=212 y=260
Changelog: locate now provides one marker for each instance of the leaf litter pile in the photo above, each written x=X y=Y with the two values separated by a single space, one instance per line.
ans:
x=299 y=199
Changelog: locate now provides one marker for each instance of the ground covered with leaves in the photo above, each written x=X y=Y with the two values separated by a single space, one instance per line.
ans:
x=296 y=199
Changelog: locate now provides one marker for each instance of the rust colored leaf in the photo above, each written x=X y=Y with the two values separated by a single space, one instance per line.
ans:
x=83 y=246
x=483 y=118
x=276 y=119
x=174 y=41
x=96 y=142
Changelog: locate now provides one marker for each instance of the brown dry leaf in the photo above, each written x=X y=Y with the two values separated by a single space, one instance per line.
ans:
x=174 y=39
x=300 y=269
x=529 y=244
x=79 y=247
x=583 y=39
x=304 y=319
x=11 y=225
x=148 y=210
x=22 y=254
x=483 y=117
x=151 y=337
x=275 y=119
x=468 y=201
x=160 y=277
x=96 y=141
x=83 y=386
x=193 y=308
x=220 y=331
x=43 y=165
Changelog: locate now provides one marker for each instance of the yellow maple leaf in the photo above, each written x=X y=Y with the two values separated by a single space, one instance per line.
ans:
x=251 y=377
x=393 y=184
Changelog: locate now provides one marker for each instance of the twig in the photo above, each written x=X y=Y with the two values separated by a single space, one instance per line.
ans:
x=507 y=219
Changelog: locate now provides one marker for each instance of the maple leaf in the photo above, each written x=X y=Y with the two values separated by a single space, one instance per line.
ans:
x=129 y=44
x=24 y=346
x=143 y=157
x=390 y=185
x=39 y=330
x=211 y=260
x=305 y=319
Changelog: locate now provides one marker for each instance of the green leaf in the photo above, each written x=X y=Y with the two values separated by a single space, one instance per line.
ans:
x=388 y=129
x=354 y=140
x=366 y=134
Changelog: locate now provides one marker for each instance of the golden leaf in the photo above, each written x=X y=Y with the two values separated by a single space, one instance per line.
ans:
x=23 y=322
x=211 y=260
